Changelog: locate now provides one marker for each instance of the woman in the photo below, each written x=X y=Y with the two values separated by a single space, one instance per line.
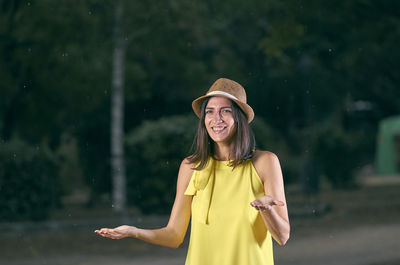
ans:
x=233 y=193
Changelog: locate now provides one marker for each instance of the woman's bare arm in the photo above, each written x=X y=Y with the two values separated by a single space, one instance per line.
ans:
x=272 y=206
x=171 y=235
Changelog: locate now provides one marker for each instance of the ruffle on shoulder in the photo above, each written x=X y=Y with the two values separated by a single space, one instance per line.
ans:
x=201 y=184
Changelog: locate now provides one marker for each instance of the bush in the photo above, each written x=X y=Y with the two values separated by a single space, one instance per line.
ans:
x=28 y=182
x=340 y=153
x=268 y=139
x=154 y=153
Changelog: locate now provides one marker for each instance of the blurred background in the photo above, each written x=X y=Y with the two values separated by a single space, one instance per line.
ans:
x=95 y=118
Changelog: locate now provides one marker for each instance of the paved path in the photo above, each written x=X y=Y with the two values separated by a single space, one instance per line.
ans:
x=360 y=246
x=377 y=245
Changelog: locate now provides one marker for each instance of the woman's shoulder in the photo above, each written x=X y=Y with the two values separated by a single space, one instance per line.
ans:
x=264 y=162
x=262 y=156
x=187 y=165
x=185 y=174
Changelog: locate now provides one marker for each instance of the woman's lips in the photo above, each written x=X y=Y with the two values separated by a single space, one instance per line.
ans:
x=218 y=129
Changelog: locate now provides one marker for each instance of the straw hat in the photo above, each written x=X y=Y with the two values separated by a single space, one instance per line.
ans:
x=227 y=88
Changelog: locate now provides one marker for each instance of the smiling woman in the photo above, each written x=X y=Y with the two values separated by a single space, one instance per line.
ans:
x=227 y=124
x=233 y=193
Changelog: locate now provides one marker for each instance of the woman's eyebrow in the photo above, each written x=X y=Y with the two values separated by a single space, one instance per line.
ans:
x=224 y=107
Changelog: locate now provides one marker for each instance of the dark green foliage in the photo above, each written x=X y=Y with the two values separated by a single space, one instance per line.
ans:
x=154 y=153
x=303 y=64
x=340 y=154
x=28 y=182
x=267 y=138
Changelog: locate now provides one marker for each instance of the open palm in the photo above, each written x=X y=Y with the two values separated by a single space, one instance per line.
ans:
x=118 y=232
x=266 y=203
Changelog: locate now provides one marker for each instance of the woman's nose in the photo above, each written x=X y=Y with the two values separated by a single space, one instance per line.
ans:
x=218 y=116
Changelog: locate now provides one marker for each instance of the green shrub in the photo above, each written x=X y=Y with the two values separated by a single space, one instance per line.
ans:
x=28 y=182
x=340 y=153
x=154 y=153
x=268 y=139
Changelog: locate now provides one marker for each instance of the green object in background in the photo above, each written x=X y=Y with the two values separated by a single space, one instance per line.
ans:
x=388 y=151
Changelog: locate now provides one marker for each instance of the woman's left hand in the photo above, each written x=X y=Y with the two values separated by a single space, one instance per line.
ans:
x=266 y=203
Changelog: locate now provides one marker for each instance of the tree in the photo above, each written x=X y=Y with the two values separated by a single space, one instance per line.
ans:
x=117 y=116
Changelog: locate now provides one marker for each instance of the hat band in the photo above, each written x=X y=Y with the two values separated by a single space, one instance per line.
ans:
x=222 y=93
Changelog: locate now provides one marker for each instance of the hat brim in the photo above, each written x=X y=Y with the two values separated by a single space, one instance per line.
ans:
x=196 y=105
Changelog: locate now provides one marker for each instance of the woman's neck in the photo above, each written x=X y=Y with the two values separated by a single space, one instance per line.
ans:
x=223 y=151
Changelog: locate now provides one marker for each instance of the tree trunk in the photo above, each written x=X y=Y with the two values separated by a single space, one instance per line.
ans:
x=117 y=116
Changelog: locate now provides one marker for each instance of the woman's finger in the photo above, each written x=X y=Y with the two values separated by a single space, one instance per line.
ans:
x=105 y=232
x=260 y=206
x=278 y=203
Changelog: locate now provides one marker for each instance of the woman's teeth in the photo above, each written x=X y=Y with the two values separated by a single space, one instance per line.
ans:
x=218 y=129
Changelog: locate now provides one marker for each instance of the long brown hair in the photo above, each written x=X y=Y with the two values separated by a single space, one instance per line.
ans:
x=203 y=145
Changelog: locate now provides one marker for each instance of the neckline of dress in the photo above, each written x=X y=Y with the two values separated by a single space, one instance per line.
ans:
x=226 y=161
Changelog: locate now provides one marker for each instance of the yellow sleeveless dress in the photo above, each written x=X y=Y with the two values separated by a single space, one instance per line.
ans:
x=225 y=229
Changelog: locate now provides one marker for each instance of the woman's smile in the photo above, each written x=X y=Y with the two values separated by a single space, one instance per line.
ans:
x=218 y=129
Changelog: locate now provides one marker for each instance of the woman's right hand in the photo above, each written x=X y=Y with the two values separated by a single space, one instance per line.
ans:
x=118 y=232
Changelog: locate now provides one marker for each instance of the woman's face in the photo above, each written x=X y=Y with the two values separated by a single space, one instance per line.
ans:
x=219 y=120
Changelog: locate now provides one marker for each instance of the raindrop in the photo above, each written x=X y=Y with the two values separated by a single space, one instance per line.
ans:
x=112 y=205
x=28 y=4
x=90 y=12
x=330 y=50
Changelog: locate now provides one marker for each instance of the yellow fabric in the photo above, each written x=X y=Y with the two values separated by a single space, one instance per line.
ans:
x=225 y=229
